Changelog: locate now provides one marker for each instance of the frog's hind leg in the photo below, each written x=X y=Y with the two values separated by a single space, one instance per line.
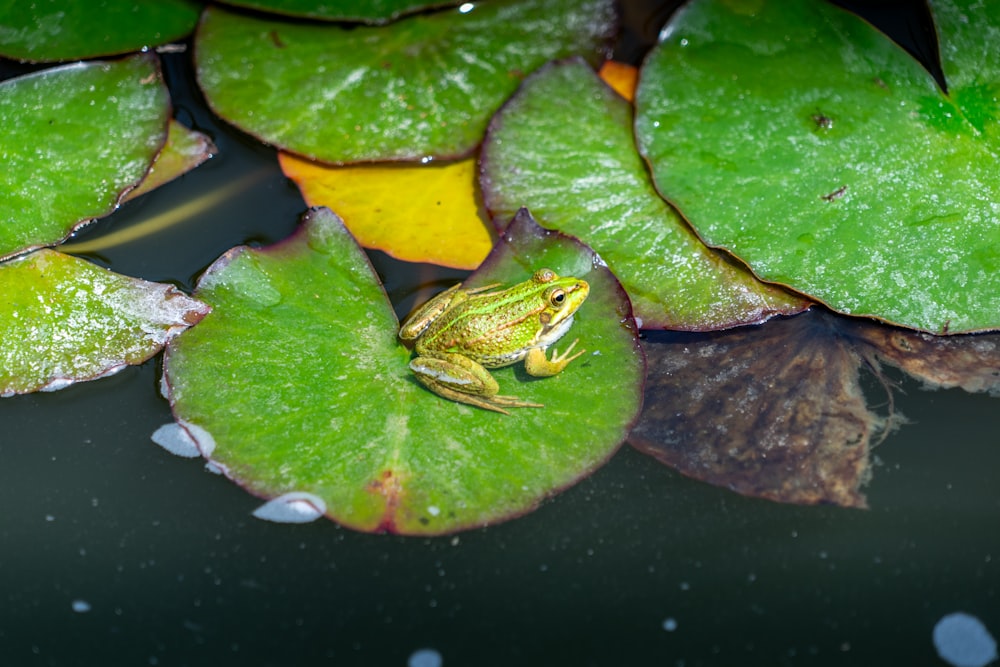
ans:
x=462 y=380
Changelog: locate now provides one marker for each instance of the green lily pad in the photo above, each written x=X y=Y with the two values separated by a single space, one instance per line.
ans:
x=563 y=147
x=423 y=86
x=184 y=150
x=75 y=139
x=369 y=11
x=63 y=320
x=296 y=383
x=805 y=142
x=49 y=30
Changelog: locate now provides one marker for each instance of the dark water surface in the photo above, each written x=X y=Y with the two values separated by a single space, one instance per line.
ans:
x=117 y=553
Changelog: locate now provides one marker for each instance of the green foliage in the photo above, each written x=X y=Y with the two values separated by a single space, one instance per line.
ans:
x=49 y=30
x=810 y=146
x=563 y=147
x=423 y=86
x=75 y=139
x=62 y=319
x=369 y=11
x=296 y=382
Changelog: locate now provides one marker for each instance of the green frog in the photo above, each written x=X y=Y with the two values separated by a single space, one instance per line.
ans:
x=460 y=333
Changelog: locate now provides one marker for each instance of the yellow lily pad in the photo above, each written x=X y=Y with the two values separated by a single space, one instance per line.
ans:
x=417 y=213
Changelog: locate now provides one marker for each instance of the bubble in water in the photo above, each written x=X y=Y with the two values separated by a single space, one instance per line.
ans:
x=425 y=657
x=963 y=641
x=670 y=624
x=81 y=606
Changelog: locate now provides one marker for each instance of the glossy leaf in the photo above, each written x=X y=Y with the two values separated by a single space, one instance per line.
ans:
x=318 y=397
x=414 y=212
x=49 y=30
x=423 y=86
x=563 y=146
x=369 y=11
x=63 y=320
x=778 y=411
x=185 y=149
x=75 y=139
x=809 y=145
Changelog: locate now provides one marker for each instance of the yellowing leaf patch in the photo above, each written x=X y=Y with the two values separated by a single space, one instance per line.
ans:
x=418 y=213
x=622 y=78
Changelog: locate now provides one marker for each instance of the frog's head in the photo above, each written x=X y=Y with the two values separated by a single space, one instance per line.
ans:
x=561 y=297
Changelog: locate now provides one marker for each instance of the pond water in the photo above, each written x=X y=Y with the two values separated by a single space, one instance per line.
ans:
x=118 y=553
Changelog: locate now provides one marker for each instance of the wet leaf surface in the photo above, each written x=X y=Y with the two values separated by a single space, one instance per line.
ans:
x=63 y=320
x=563 y=147
x=414 y=212
x=423 y=86
x=822 y=154
x=371 y=11
x=777 y=411
x=75 y=139
x=47 y=31
x=318 y=397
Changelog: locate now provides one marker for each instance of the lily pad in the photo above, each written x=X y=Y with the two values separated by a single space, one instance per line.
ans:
x=806 y=143
x=184 y=150
x=368 y=11
x=563 y=147
x=317 y=397
x=75 y=139
x=63 y=320
x=404 y=210
x=48 y=30
x=778 y=411
x=423 y=86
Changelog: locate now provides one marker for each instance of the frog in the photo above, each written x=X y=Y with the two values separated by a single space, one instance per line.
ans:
x=462 y=332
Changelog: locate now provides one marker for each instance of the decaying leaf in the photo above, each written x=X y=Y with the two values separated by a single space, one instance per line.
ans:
x=414 y=212
x=185 y=149
x=777 y=411
x=63 y=320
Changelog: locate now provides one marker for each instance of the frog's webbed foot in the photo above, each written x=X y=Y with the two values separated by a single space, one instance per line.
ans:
x=538 y=365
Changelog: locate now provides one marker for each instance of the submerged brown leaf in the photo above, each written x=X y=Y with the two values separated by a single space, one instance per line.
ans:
x=777 y=411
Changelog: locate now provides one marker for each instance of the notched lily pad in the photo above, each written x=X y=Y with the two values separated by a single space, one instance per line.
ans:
x=423 y=86
x=46 y=30
x=63 y=320
x=404 y=210
x=318 y=397
x=75 y=139
x=806 y=143
x=777 y=411
x=563 y=147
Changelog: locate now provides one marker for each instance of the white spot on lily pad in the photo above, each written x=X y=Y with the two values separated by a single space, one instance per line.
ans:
x=175 y=439
x=963 y=641
x=293 y=507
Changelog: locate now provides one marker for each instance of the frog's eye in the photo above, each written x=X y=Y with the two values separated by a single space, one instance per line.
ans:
x=557 y=296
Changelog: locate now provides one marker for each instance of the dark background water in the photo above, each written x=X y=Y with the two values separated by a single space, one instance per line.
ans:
x=114 y=552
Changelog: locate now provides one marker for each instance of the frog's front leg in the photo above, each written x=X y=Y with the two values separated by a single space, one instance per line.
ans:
x=461 y=379
x=538 y=365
